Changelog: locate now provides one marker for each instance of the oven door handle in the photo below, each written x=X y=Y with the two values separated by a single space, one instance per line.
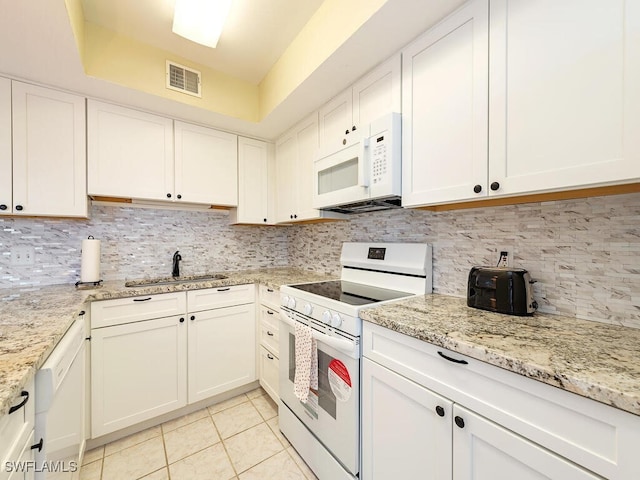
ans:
x=338 y=343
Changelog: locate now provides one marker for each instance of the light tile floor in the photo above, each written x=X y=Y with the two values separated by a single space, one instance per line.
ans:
x=236 y=439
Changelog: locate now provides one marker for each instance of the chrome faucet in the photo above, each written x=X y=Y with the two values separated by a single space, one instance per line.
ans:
x=175 y=272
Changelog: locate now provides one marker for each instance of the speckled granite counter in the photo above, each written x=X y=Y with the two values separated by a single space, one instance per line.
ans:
x=32 y=322
x=596 y=360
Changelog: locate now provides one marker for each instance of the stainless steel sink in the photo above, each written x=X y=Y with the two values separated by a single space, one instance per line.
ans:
x=172 y=281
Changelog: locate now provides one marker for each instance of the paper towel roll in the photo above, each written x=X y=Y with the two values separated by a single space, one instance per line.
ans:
x=90 y=267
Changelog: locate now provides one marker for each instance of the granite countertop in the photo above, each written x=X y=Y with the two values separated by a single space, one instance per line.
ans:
x=595 y=360
x=33 y=322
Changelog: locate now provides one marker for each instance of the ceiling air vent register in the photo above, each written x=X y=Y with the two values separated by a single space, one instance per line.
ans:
x=183 y=79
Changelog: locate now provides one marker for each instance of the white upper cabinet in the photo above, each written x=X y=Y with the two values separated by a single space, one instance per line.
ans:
x=377 y=93
x=206 y=165
x=6 y=181
x=296 y=151
x=371 y=97
x=49 y=152
x=336 y=123
x=130 y=153
x=286 y=185
x=256 y=183
x=564 y=100
x=444 y=104
x=138 y=155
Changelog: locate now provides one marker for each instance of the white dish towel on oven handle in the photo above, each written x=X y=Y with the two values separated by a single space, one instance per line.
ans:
x=306 y=362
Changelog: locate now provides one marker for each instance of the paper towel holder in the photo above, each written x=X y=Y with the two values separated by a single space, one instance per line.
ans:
x=97 y=283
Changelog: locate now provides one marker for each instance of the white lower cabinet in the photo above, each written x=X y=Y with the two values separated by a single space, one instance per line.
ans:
x=17 y=437
x=222 y=350
x=402 y=434
x=268 y=334
x=268 y=366
x=425 y=416
x=138 y=371
x=144 y=367
x=483 y=450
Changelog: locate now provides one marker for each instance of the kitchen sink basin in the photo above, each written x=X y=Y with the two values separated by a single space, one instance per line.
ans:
x=172 y=281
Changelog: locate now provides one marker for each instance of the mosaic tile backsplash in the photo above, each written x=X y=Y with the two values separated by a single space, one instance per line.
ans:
x=137 y=243
x=584 y=254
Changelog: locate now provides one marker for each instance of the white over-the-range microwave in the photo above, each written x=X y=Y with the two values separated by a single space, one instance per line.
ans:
x=363 y=176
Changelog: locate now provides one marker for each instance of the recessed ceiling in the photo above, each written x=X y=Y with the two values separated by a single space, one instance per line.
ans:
x=255 y=35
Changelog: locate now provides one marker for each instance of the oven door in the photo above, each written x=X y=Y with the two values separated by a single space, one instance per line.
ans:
x=342 y=177
x=332 y=413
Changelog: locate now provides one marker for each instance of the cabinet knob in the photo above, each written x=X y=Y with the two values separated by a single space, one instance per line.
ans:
x=264 y=220
x=19 y=207
x=344 y=141
x=269 y=356
x=346 y=132
x=295 y=216
x=477 y=188
x=269 y=333
x=182 y=320
x=353 y=129
x=179 y=196
x=459 y=421
x=3 y=207
x=193 y=317
x=168 y=195
x=38 y=446
x=495 y=186
x=440 y=411
x=291 y=216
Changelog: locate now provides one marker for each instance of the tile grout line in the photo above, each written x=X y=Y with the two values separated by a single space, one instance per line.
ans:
x=224 y=447
x=166 y=456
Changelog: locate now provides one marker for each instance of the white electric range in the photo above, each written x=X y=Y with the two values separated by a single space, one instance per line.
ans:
x=325 y=430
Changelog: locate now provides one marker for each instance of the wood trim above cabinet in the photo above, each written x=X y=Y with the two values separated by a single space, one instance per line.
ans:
x=538 y=197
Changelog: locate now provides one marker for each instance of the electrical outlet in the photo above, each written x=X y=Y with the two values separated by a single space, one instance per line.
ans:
x=505 y=257
x=23 y=256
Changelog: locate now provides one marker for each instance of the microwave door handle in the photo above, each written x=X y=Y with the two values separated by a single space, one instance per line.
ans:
x=363 y=164
x=337 y=343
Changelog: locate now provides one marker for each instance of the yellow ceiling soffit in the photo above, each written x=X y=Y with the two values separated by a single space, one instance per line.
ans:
x=118 y=59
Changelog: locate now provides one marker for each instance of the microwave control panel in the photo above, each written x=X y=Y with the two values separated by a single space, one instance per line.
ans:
x=379 y=155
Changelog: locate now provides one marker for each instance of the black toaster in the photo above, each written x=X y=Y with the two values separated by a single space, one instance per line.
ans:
x=501 y=289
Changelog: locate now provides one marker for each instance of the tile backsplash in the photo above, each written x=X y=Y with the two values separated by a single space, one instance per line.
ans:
x=137 y=243
x=584 y=254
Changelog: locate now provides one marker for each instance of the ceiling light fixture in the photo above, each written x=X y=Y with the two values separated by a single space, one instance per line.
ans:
x=200 y=21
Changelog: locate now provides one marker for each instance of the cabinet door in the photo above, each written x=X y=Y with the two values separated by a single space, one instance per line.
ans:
x=6 y=177
x=444 y=104
x=483 y=450
x=307 y=151
x=222 y=350
x=564 y=97
x=336 y=124
x=286 y=179
x=255 y=190
x=403 y=435
x=206 y=165
x=130 y=153
x=377 y=93
x=138 y=371
x=49 y=153
x=269 y=373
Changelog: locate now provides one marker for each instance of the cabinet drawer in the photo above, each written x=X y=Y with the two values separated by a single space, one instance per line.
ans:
x=22 y=453
x=587 y=432
x=270 y=296
x=210 y=298
x=126 y=310
x=269 y=329
x=15 y=427
x=269 y=373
